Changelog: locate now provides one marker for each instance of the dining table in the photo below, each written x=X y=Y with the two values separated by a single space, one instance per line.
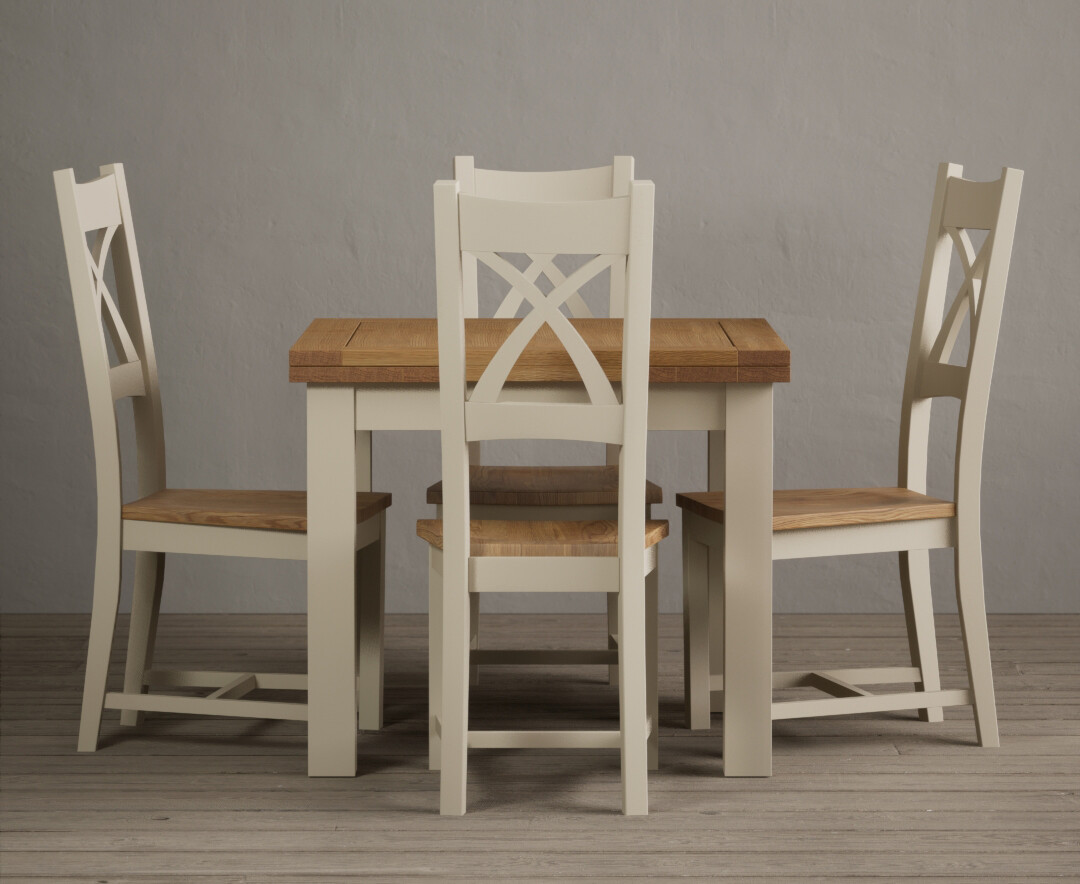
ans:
x=370 y=374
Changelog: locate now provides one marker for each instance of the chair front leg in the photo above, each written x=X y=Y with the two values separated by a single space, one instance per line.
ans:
x=474 y=635
x=696 y=674
x=435 y=633
x=370 y=614
x=652 y=665
x=142 y=627
x=919 y=614
x=613 y=632
x=715 y=594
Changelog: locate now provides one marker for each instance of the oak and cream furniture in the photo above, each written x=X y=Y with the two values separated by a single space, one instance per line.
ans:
x=849 y=521
x=525 y=492
x=264 y=524
x=368 y=375
x=485 y=555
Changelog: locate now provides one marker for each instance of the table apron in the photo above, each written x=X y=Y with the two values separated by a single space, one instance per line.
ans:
x=416 y=406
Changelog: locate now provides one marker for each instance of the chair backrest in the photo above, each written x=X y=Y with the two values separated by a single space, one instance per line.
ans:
x=617 y=233
x=602 y=182
x=101 y=207
x=959 y=206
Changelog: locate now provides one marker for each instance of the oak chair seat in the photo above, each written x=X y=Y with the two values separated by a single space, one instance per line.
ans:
x=830 y=507
x=228 y=508
x=497 y=537
x=545 y=486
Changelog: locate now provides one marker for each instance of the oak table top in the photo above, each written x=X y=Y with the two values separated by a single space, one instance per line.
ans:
x=405 y=351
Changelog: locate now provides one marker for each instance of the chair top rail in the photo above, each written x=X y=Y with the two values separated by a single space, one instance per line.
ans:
x=972 y=204
x=599 y=182
x=592 y=227
x=97 y=203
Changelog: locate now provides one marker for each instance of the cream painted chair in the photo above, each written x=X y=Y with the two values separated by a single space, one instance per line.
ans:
x=263 y=524
x=486 y=555
x=527 y=492
x=850 y=521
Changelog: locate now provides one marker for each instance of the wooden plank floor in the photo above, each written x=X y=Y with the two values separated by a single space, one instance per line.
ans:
x=212 y=800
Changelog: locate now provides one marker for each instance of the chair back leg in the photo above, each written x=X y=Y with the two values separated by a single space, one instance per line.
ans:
x=102 y=628
x=454 y=706
x=435 y=662
x=971 y=603
x=633 y=702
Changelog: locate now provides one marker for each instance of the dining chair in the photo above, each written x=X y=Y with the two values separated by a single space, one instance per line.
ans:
x=469 y=556
x=849 y=521
x=530 y=492
x=262 y=524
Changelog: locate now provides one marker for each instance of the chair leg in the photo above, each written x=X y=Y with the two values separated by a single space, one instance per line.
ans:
x=435 y=632
x=919 y=612
x=633 y=703
x=696 y=675
x=454 y=715
x=613 y=632
x=370 y=614
x=652 y=662
x=971 y=602
x=102 y=629
x=715 y=571
x=474 y=635
x=142 y=627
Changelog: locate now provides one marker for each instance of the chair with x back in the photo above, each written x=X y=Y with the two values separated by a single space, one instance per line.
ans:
x=848 y=521
x=523 y=492
x=262 y=524
x=469 y=555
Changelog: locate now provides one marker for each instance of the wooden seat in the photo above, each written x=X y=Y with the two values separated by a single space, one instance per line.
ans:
x=268 y=510
x=545 y=486
x=166 y=521
x=492 y=537
x=830 y=507
x=903 y=519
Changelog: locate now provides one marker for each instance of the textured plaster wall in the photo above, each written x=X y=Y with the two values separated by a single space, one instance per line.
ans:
x=280 y=159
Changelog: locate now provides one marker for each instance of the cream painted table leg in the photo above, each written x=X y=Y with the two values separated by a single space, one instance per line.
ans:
x=331 y=598
x=747 y=557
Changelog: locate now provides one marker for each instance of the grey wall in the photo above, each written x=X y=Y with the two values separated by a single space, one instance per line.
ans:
x=280 y=159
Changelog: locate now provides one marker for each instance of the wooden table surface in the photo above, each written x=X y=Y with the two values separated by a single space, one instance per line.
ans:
x=405 y=351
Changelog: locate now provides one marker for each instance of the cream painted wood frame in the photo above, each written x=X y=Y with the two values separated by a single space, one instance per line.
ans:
x=715 y=625
x=101 y=206
x=615 y=231
x=601 y=182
